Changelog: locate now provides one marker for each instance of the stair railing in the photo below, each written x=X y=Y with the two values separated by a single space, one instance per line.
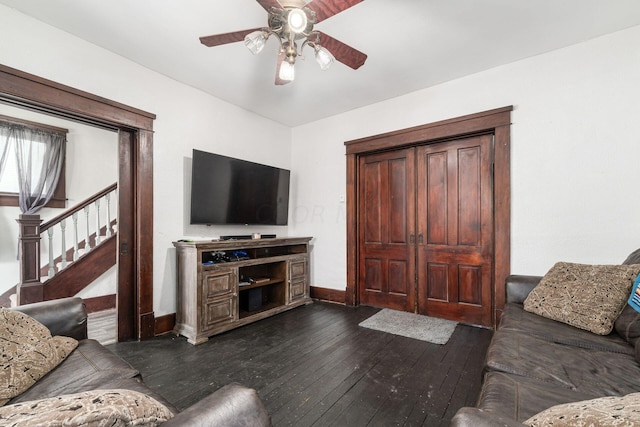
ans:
x=88 y=232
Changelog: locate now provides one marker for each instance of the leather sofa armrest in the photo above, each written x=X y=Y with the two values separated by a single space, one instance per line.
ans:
x=518 y=287
x=66 y=316
x=474 y=417
x=233 y=405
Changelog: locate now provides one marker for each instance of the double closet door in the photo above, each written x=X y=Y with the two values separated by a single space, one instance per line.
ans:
x=425 y=229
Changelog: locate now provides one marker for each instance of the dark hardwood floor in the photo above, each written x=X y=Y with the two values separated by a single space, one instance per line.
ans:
x=315 y=366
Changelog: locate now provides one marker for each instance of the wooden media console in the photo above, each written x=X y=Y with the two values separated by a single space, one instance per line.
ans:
x=226 y=284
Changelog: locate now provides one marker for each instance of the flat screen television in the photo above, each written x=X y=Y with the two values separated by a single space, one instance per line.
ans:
x=225 y=190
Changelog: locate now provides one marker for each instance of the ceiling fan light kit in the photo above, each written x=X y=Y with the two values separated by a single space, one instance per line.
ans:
x=256 y=41
x=324 y=58
x=287 y=72
x=291 y=21
x=297 y=20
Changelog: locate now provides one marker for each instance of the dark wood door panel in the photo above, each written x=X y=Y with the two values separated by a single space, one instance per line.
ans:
x=469 y=203
x=386 y=229
x=455 y=214
x=372 y=226
x=435 y=195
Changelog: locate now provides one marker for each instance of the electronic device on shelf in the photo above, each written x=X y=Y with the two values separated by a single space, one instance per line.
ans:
x=219 y=256
x=238 y=256
x=236 y=237
x=225 y=190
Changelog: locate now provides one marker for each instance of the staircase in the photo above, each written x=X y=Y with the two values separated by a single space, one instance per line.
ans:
x=70 y=267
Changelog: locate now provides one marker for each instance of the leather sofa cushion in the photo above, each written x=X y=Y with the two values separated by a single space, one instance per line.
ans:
x=633 y=258
x=88 y=367
x=65 y=316
x=231 y=405
x=515 y=318
x=627 y=325
x=520 y=398
x=597 y=373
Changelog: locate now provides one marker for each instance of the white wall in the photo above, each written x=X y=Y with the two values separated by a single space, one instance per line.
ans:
x=91 y=165
x=575 y=138
x=575 y=148
x=186 y=119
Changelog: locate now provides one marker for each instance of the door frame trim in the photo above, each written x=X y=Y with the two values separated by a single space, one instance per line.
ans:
x=497 y=122
x=135 y=295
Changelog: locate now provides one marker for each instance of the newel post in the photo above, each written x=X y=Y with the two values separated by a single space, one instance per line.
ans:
x=29 y=289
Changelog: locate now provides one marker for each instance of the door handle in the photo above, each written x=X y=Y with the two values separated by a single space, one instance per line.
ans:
x=420 y=238
x=124 y=248
x=412 y=239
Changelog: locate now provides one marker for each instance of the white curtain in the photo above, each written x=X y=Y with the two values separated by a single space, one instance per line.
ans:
x=39 y=159
x=5 y=132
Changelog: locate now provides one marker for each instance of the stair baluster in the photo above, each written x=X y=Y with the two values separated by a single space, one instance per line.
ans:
x=63 y=243
x=87 y=242
x=109 y=228
x=75 y=236
x=52 y=270
x=98 y=235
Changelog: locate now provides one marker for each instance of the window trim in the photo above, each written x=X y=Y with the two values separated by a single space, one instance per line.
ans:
x=59 y=199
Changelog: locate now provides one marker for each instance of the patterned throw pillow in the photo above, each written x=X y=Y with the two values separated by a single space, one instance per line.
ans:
x=603 y=411
x=96 y=408
x=585 y=296
x=27 y=352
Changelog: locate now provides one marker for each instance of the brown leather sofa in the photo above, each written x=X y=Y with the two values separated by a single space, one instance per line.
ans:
x=91 y=366
x=534 y=363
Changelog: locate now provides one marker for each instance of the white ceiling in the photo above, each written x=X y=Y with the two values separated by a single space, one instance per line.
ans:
x=411 y=44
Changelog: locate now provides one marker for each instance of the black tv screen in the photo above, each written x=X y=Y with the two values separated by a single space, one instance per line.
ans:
x=225 y=190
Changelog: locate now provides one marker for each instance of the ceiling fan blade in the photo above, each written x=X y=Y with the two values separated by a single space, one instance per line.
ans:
x=219 y=39
x=268 y=4
x=346 y=54
x=327 y=8
x=279 y=81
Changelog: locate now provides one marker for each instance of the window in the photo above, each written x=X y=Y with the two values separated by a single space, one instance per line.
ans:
x=35 y=143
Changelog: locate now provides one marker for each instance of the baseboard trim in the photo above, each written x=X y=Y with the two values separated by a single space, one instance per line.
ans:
x=102 y=303
x=165 y=324
x=326 y=294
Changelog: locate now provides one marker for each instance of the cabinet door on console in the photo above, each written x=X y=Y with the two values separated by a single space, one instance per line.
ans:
x=298 y=272
x=220 y=297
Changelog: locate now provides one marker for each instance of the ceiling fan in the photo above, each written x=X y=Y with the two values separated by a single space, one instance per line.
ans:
x=292 y=22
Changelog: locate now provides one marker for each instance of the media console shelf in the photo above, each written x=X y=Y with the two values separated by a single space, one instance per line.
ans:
x=226 y=284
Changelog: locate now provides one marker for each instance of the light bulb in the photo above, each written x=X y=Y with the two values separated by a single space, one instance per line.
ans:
x=255 y=41
x=287 y=71
x=324 y=58
x=297 y=20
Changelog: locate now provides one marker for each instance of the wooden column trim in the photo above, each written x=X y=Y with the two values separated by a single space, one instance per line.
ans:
x=30 y=289
x=144 y=233
x=351 y=292
x=502 y=215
